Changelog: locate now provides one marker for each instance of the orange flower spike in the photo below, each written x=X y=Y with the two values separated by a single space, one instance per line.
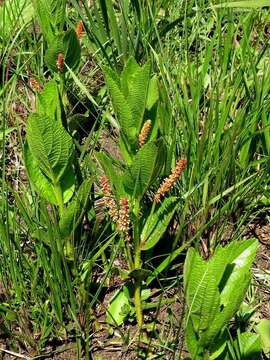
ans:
x=105 y=185
x=79 y=29
x=60 y=62
x=124 y=219
x=144 y=132
x=170 y=181
x=35 y=85
x=109 y=199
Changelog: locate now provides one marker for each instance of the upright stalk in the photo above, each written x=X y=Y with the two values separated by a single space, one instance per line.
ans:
x=68 y=246
x=138 y=302
x=59 y=197
x=137 y=282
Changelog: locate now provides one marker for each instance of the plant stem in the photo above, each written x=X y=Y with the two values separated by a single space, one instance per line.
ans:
x=59 y=197
x=138 y=303
x=68 y=246
x=137 y=283
x=128 y=254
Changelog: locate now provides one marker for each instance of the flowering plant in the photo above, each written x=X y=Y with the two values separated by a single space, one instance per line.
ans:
x=128 y=182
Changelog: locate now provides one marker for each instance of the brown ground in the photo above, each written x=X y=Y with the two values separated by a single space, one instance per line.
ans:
x=106 y=347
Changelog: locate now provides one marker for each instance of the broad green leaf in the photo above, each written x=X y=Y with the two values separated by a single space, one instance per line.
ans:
x=145 y=168
x=201 y=289
x=219 y=346
x=214 y=289
x=250 y=346
x=157 y=223
x=134 y=86
x=224 y=256
x=56 y=47
x=127 y=151
x=129 y=97
x=239 y=266
x=192 y=343
x=233 y=286
x=195 y=270
x=130 y=68
x=210 y=304
x=263 y=329
x=41 y=236
x=136 y=98
x=220 y=260
x=153 y=93
x=48 y=102
x=119 y=307
x=43 y=185
x=223 y=317
x=50 y=145
x=191 y=258
x=67 y=44
x=122 y=110
x=40 y=182
x=73 y=214
x=72 y=49
x=114 y=75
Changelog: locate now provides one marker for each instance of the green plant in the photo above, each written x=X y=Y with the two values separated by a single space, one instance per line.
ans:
x=263 y=329
x=135 y=100
x=118 y=30
x=246 y=346
x=209 y=92
x=207 y=105
x=14 y=15
x=51 y=161
x=214 y=290
x=49 y=150
x=62 y=43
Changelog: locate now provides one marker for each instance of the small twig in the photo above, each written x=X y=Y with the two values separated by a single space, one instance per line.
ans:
x=14 y=354
x=53 y=352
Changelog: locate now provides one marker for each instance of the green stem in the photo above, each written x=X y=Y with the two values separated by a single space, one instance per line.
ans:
x=64 y=99
x=87 y=334
x=68 y=247
x=137 y=283
x=105 y=266
x=138 y=303
x=128 y=254
x=59 y=197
